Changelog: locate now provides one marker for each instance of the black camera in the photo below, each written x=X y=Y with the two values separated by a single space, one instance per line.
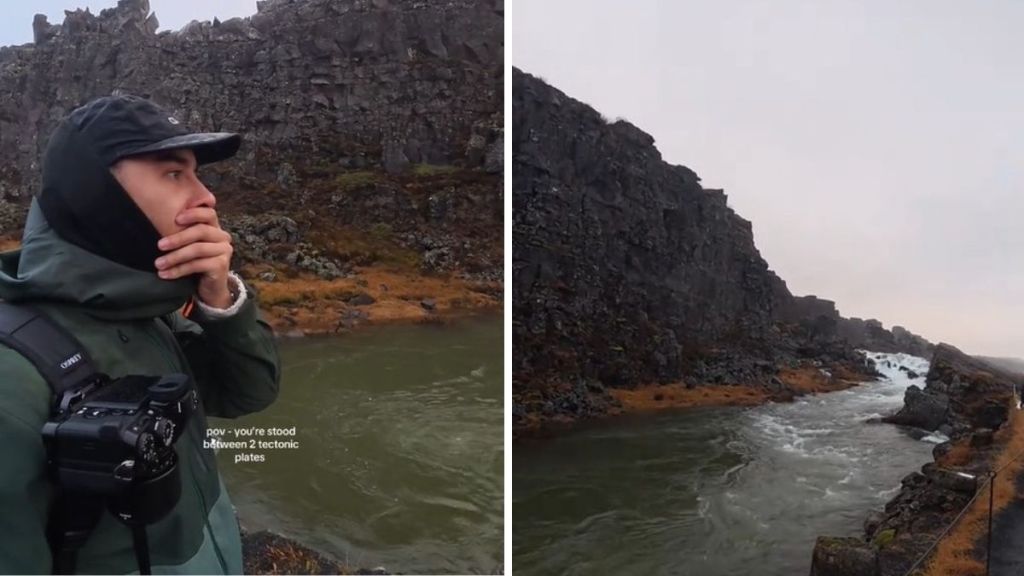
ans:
x=115 y=439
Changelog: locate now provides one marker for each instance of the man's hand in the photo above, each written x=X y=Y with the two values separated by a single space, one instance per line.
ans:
x=201 y=248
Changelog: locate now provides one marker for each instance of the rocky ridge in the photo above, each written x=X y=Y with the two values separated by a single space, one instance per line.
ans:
x=628 y=272
x=372 y=129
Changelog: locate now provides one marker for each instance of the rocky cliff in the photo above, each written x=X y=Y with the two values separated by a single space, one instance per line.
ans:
x=822 y=322
x=619 y=259
x=373 y=139
x=372 y=129
x=626 y=271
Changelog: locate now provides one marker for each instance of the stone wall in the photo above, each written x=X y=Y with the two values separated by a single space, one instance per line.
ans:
x=379 y=114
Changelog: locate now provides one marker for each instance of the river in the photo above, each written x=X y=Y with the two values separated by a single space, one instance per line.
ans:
x=400 y=448
x=713 y=491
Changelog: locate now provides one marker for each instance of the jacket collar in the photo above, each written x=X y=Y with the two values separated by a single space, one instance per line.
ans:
x=47 y=268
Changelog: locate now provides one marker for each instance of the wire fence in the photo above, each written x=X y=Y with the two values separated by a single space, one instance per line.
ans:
x=990 y=484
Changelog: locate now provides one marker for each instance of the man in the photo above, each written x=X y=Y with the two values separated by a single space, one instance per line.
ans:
x=123 y=249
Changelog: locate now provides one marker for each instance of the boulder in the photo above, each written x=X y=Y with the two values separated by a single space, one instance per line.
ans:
x=921 y=409
x=843 y=557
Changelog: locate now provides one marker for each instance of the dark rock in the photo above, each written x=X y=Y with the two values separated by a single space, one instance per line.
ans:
x=843 y=557
x=981 y=438
x=941 y=449
x=991 y=415
x=361 y=299
x=913 y=479
x=428 y=304
x=953 y=480
x=921 y=409
x=873 y=521
x=270 y=553
x=268 y=276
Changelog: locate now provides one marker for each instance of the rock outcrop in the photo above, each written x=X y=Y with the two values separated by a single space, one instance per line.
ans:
x=1015 y=365
x=970 y=401
x=821 y=319
x=384 y=117
x=961 y=394
x=627 y=271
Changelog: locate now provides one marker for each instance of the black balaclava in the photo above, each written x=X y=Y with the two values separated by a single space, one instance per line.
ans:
x=81 y=199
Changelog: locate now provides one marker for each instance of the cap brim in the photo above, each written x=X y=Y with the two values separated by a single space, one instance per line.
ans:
x=207 y=146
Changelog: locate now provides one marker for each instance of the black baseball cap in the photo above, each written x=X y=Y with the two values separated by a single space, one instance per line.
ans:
x=126 y=125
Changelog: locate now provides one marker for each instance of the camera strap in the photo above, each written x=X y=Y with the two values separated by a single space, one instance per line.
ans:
x=58 y=356
x=66 y=366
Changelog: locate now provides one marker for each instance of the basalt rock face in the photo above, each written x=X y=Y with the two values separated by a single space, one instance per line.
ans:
x=821 y=320
x=626 y=271
x=393 y=91
x=622 y=263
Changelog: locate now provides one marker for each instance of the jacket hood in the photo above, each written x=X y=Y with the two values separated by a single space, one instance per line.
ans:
x=48 y=268
x=82 y=200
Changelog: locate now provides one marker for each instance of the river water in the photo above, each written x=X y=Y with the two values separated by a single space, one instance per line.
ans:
x=400 y=448
x=713 y=491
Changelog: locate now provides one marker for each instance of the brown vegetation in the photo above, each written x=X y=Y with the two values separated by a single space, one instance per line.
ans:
x=955 y=556
x=799 y=381
x=679 y=396
x=315 y=305
x=959 y=454
x=809 y=380
x=269 y=553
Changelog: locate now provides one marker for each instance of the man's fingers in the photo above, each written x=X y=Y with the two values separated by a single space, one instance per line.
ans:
x=198 y=215
x=191 y=252
x=194 y=233
x=218 y=265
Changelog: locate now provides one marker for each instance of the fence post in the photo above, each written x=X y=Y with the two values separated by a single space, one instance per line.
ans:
x=991 y=492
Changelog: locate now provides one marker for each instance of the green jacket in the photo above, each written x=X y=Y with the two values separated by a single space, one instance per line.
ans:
x=115 y=312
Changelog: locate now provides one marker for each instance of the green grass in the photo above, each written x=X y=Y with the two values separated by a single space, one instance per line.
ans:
x=433 y=169
x=357 y=179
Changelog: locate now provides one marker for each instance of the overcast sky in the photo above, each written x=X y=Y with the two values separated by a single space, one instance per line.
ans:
x=877 y=147
x=16 y=24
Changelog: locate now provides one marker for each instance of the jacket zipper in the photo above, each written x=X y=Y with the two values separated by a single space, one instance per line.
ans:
x=199 y=460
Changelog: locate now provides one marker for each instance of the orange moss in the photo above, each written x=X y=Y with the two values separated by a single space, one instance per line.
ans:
x=315 y=305
x=805 y=380
x=679 y=396
x=278 y=555
x=959 y=455
x=845 y=374
x=810 y=380
x=954 y=555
